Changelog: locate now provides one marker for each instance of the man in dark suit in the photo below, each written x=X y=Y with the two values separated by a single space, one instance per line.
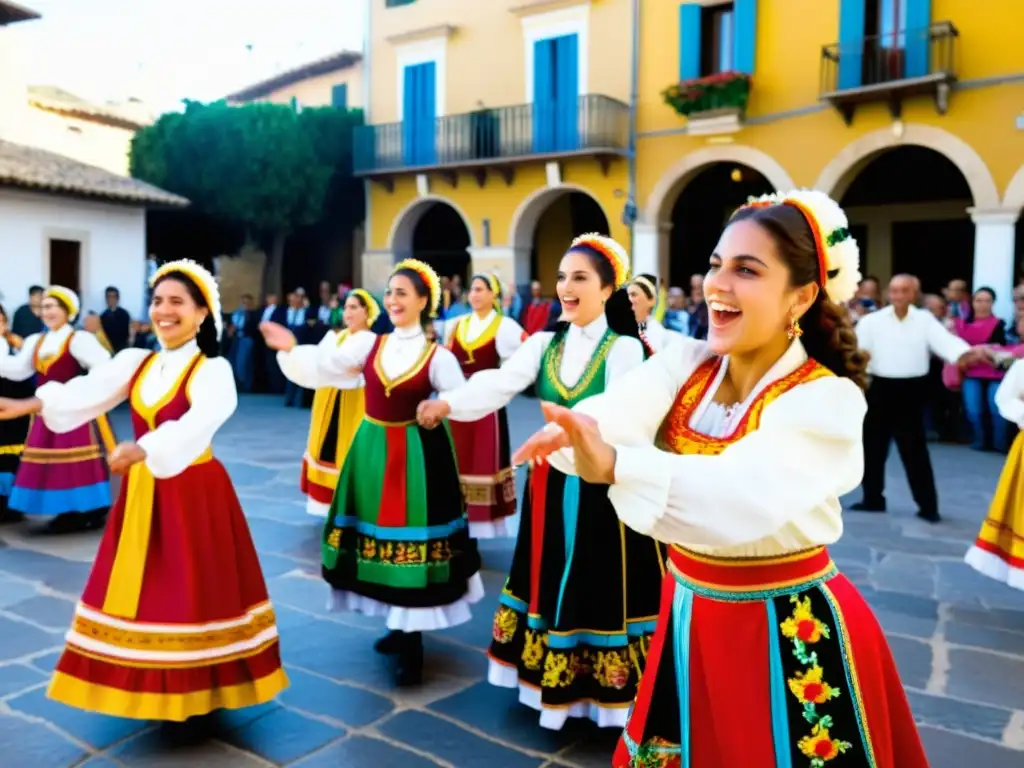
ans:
x=242 y=329
x=116 y=321
x=295 y=319
x=269 y=373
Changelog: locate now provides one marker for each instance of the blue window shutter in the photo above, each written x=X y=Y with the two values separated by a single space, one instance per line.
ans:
x=428 y=113
x=744 y=35
x=689 y=41
x=339 y=96
x=851 y=43
x=567 y=92
x=410 y=81
x=543 y=96
x=919 y=21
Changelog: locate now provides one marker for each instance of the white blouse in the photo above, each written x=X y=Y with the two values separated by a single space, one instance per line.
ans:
x=299 y=365
x=1010 y=395
x=174 y=445
x=773 y=491
x=85 y=348
x=508 y=339
x=488 y=391
x=398 y=354
x=658 y=336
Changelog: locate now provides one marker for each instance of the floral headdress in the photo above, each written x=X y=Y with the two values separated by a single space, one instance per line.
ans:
x=838 y=254
x=608 y=248
x=204 y=281
x=429 y=277
x=372 y=307
x=68 y=298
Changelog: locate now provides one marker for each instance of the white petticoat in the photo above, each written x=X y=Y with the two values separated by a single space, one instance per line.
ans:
x=994 y=567
x=317 y=508
x=495 y=529
x=412 y=619
x=554 y=718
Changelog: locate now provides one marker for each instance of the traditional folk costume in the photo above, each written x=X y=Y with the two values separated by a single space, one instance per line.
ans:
x=13 y=432
x=576 y=616
x=998 y=551
x=337 y=413
x=397 y=541
x=482 y=447
x=655 y=336
x=754 y=614
x=61 y=473
x=174 y=621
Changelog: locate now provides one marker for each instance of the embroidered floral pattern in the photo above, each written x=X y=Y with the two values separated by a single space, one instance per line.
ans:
x=533 y=649
x=401 y=552
x=809 y=686
x=611 y=669
x=561 y=669
x=505 y=623
x=657 y=753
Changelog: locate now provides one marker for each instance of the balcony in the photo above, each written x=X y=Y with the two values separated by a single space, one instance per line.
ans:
x=890 y=68
x=494 y=140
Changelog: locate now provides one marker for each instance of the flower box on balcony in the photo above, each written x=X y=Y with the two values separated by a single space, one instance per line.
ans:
x=712 y=104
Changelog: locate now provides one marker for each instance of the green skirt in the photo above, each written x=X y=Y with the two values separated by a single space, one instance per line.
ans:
x=397 y=531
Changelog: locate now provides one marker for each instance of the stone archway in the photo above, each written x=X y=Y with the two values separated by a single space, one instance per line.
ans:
x=1013 y=200
x=400 y=238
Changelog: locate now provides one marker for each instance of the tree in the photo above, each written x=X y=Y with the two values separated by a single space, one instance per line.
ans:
x=261 y=166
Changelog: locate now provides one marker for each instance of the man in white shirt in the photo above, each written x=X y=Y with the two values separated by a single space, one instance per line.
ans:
x=901 y=339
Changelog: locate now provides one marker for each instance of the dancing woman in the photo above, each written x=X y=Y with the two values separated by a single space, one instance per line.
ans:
x=174 y=622
x=735 y=452
x=643 y=296
x=12 y=433
x=481 y=341
x=578 y=610
x=397 y=541
x=61 y=475
x=337 y=410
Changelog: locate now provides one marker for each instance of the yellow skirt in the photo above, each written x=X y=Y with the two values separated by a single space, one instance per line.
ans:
x=337 y=414
x=998 y=551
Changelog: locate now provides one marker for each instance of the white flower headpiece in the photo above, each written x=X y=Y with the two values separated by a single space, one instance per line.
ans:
x=205 y=282
x=838 y=253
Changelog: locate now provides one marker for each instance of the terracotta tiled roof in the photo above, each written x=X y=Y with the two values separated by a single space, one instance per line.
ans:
x=39 y=170
x=131 y=116
x=12 y=12
x=332 y=63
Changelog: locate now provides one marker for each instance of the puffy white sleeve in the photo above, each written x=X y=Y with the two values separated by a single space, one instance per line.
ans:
x=87 y=350
x=300 y=364
x=789 y=473
x=510 y=337
x=174 y=445
x=70 y=405
x=488 y=391
x=942 y=343
x=625 y=355
x=19 y=367
x=631 y=409
x=1010 y=395
x=445 y=371
x=341 y=365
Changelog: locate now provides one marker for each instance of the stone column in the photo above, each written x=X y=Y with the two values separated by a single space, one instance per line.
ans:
x=375 y=270
x=650 y=249
x=499 y=260
x=994 y=235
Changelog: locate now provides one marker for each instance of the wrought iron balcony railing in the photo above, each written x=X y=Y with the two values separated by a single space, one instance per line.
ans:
x=588 y=125
x=890 y=67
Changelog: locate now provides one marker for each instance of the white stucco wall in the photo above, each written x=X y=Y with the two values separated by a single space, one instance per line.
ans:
x=113 y=247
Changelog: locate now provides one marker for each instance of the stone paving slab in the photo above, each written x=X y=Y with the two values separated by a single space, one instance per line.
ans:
x=958 y=639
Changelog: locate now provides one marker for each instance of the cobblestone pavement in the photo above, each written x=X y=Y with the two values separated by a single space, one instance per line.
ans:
x=958 y=639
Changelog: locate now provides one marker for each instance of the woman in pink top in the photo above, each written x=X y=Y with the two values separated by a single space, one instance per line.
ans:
x=982 y=379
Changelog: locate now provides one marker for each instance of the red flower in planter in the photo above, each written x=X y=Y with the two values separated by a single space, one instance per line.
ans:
x=717 y=91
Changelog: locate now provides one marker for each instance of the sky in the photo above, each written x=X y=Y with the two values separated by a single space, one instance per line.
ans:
x=161 y=51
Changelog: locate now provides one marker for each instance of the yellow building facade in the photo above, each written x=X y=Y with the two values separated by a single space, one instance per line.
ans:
x=331 y=81
x=908 y=111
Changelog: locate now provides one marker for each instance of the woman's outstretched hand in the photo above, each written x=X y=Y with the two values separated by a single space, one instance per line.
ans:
x=15 y=409
x=124 y=456
x=430 y=413
x=278 y=337
x=594 y=458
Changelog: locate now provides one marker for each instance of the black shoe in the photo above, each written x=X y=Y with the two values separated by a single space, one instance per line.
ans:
x=931 y=517
x=390 y=644
x=72 y=522
x=95 y=521
x=865 y=506
x=409 y=671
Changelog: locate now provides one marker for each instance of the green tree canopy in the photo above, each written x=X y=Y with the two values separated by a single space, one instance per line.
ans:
x=264 y=167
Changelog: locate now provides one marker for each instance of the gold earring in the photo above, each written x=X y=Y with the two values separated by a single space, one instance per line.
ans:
x=793 y=330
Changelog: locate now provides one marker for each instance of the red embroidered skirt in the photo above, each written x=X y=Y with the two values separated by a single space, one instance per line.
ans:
x=768 y=662
x=204 y=636
x=485 y=467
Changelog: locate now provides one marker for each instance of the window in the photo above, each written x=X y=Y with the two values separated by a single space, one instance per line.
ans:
x=339 y=96
x=396 y=3
x=293 y=102
x=885 y=43
x=716 y=39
